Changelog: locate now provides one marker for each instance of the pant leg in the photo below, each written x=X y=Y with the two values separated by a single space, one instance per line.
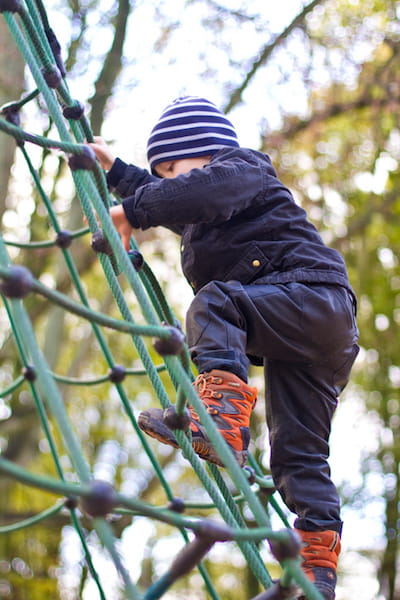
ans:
x=217 y=331
x=307 y=336
x=299 y=407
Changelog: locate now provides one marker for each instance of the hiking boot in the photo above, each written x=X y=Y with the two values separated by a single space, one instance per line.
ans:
x=320 y=554
x=228 y=400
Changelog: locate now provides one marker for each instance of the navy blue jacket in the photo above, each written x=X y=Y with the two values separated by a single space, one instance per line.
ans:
x=236 y=219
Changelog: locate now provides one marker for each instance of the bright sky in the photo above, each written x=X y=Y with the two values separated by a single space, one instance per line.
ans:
x=157 y=78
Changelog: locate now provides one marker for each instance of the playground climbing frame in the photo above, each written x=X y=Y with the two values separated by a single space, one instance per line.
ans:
x=37 y=42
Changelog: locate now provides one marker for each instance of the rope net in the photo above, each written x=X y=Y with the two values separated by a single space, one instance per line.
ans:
x=232 y=491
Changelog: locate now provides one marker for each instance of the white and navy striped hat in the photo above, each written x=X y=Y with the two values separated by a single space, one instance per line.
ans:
x=189 y=127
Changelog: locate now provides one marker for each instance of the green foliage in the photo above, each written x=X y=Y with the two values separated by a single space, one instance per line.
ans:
x=342 y=162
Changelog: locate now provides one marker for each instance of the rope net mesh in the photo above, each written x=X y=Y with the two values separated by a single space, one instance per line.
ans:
x=169 y=377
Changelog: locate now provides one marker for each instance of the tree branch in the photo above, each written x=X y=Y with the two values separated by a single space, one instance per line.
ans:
x=111 y=68
x=331 y=111
x=382 y=77
x=236 y=95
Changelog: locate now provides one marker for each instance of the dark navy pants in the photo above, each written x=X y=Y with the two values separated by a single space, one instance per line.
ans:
x=307 y=336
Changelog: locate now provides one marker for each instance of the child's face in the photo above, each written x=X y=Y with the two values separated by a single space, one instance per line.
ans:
x=173 y=168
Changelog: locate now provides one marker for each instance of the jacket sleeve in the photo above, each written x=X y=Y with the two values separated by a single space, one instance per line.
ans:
x=230 y=183
x=126 y=179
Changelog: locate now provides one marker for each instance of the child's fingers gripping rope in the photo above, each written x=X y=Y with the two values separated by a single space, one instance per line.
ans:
x=102 y=152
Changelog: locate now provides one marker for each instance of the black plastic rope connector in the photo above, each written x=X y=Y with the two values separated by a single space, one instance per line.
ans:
x=217 y=532
x=52 y=76
x=85 y=160
x=29 y=373
x=172 y=345
x=18 y=283
x=63 y=239
x=173 y=420
x=250 y=474
x=12 y=115
x=100 y=501
x=75 y=111
x=189 y=557
x=56 y=50
x=13 y=6
x=288 y=548
x=117 y=374
x=71 y=502
x=100 y=243
x=177 y=505
x=277 y=592
x=136 y=259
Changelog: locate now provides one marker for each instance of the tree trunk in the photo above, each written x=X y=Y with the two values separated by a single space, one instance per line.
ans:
x=11 y=87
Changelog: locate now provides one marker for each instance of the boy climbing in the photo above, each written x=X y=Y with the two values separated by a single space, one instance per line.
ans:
x=268 y=291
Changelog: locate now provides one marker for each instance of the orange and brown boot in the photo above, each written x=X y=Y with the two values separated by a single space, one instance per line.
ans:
x=320 y=554
x=228 y=400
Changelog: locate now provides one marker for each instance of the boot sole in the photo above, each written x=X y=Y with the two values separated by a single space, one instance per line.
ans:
x=157 y=430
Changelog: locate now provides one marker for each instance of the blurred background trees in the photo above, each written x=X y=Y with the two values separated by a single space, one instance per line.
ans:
x=317 y=86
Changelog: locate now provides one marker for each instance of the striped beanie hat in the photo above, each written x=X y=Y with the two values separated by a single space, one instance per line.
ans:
x=188 y=127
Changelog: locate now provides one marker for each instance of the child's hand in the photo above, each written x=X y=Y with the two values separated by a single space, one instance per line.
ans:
x=101 y=150
x=121 y=224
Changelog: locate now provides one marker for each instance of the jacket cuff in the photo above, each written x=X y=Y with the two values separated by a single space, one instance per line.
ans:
x=116 y=173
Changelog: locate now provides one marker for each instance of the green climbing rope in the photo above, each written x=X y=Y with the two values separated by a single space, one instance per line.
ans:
x=30 y=29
